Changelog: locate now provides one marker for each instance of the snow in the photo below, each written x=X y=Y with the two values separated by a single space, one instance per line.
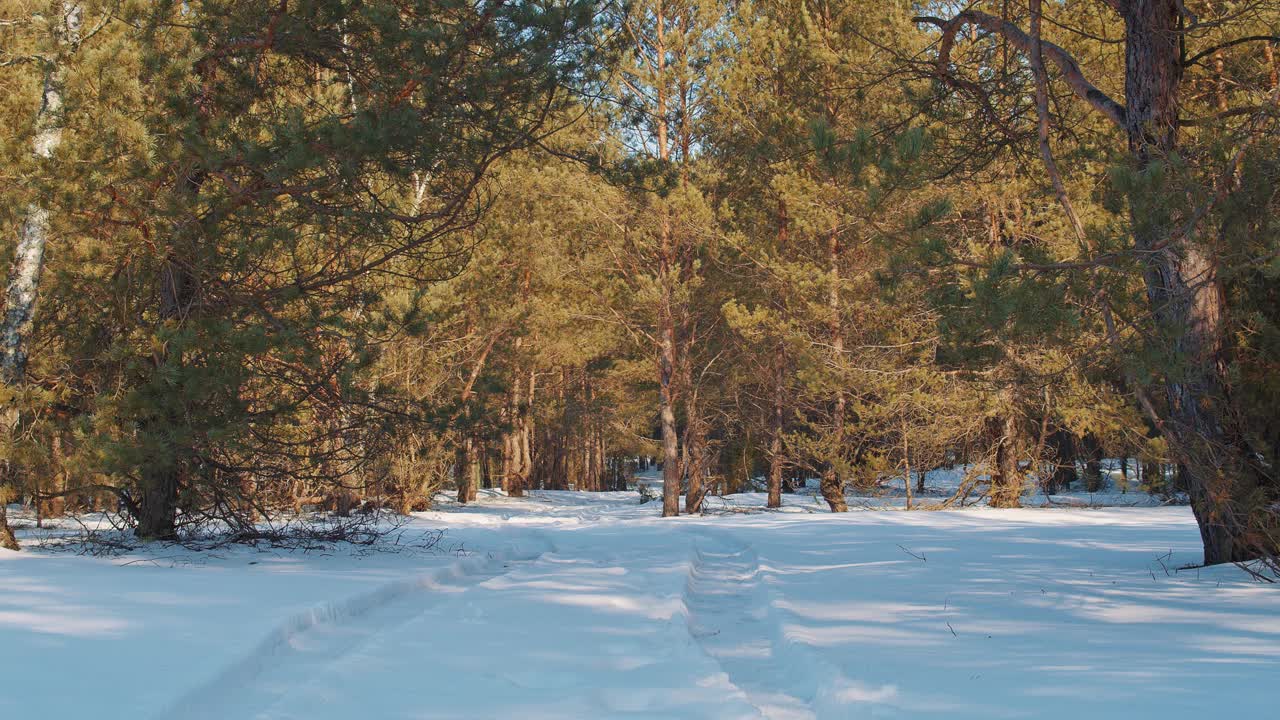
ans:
x=587 y=605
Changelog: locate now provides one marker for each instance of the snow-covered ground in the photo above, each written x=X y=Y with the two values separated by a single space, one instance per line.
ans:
x=582 y=605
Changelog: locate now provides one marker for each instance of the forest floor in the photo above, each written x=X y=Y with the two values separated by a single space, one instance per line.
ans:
x=573 y=605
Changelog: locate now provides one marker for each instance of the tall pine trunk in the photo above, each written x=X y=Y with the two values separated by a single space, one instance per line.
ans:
x=157 y=508
x=1062 y=452
x=512 y=451
x=1093 y=456
x=667 y=415
x=1185 y=297
x=1006 y=476
x=179 y=288
x=695 y=437
x=832 y=483
x=467 y=470
x=775 y=440
x=524 y=439
x=667 y=351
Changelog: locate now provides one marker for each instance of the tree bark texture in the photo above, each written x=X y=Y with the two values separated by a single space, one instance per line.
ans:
x=832 y=484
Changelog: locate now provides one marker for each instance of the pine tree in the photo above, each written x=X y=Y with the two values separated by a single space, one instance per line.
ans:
x=1172 y=184
x=299 y=162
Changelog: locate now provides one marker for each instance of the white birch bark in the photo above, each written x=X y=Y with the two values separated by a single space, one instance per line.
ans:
x=33 y=234
x=28 y=261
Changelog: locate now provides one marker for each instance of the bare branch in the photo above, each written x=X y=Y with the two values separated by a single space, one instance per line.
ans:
x=1273 y=39
x=1067 y=65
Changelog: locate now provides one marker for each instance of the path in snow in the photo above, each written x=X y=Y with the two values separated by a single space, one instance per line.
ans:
x=294 y=657
x=729 y=617
x=976 y=614
x=734 y=617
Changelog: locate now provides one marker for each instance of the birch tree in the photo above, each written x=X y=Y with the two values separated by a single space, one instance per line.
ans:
x=59 y=31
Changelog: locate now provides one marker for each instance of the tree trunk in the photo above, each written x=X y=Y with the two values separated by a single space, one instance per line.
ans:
x=906 y=465
x=523 y=443
x=7 y=539
x=162 y=473
x=1185 y=296
x=695 y=436
x=1093 y=475
x=28 y=258
x=667 y=367
x=832 y=483
x=667 y=417
x=1006 y=476
x=508 y=451
x=158 y=506
x=469 y=480
x=20 y=302
x=775 y=440
x=475 y=459
x=602 y=460
x=1063 y=454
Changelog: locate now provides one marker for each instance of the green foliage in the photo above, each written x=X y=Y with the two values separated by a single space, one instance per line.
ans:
x=321 y=248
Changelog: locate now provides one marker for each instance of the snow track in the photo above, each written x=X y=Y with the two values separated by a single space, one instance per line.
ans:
x=299 y=651
x=732 y=615
x=1034 y=613
x=729 y=616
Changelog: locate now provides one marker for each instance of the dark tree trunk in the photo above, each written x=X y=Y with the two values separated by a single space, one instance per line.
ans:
x=508 y=458
x=485 y=464
x=1152 y=476
x=1006 y=476
x=1063 y=454
x=1093 y=456
x=832 y=485
x=158 y=506
x=162 y=474
x=1186 y=298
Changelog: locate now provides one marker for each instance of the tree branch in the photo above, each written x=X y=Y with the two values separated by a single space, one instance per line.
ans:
x=1067 y=65
x=1230 y=43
